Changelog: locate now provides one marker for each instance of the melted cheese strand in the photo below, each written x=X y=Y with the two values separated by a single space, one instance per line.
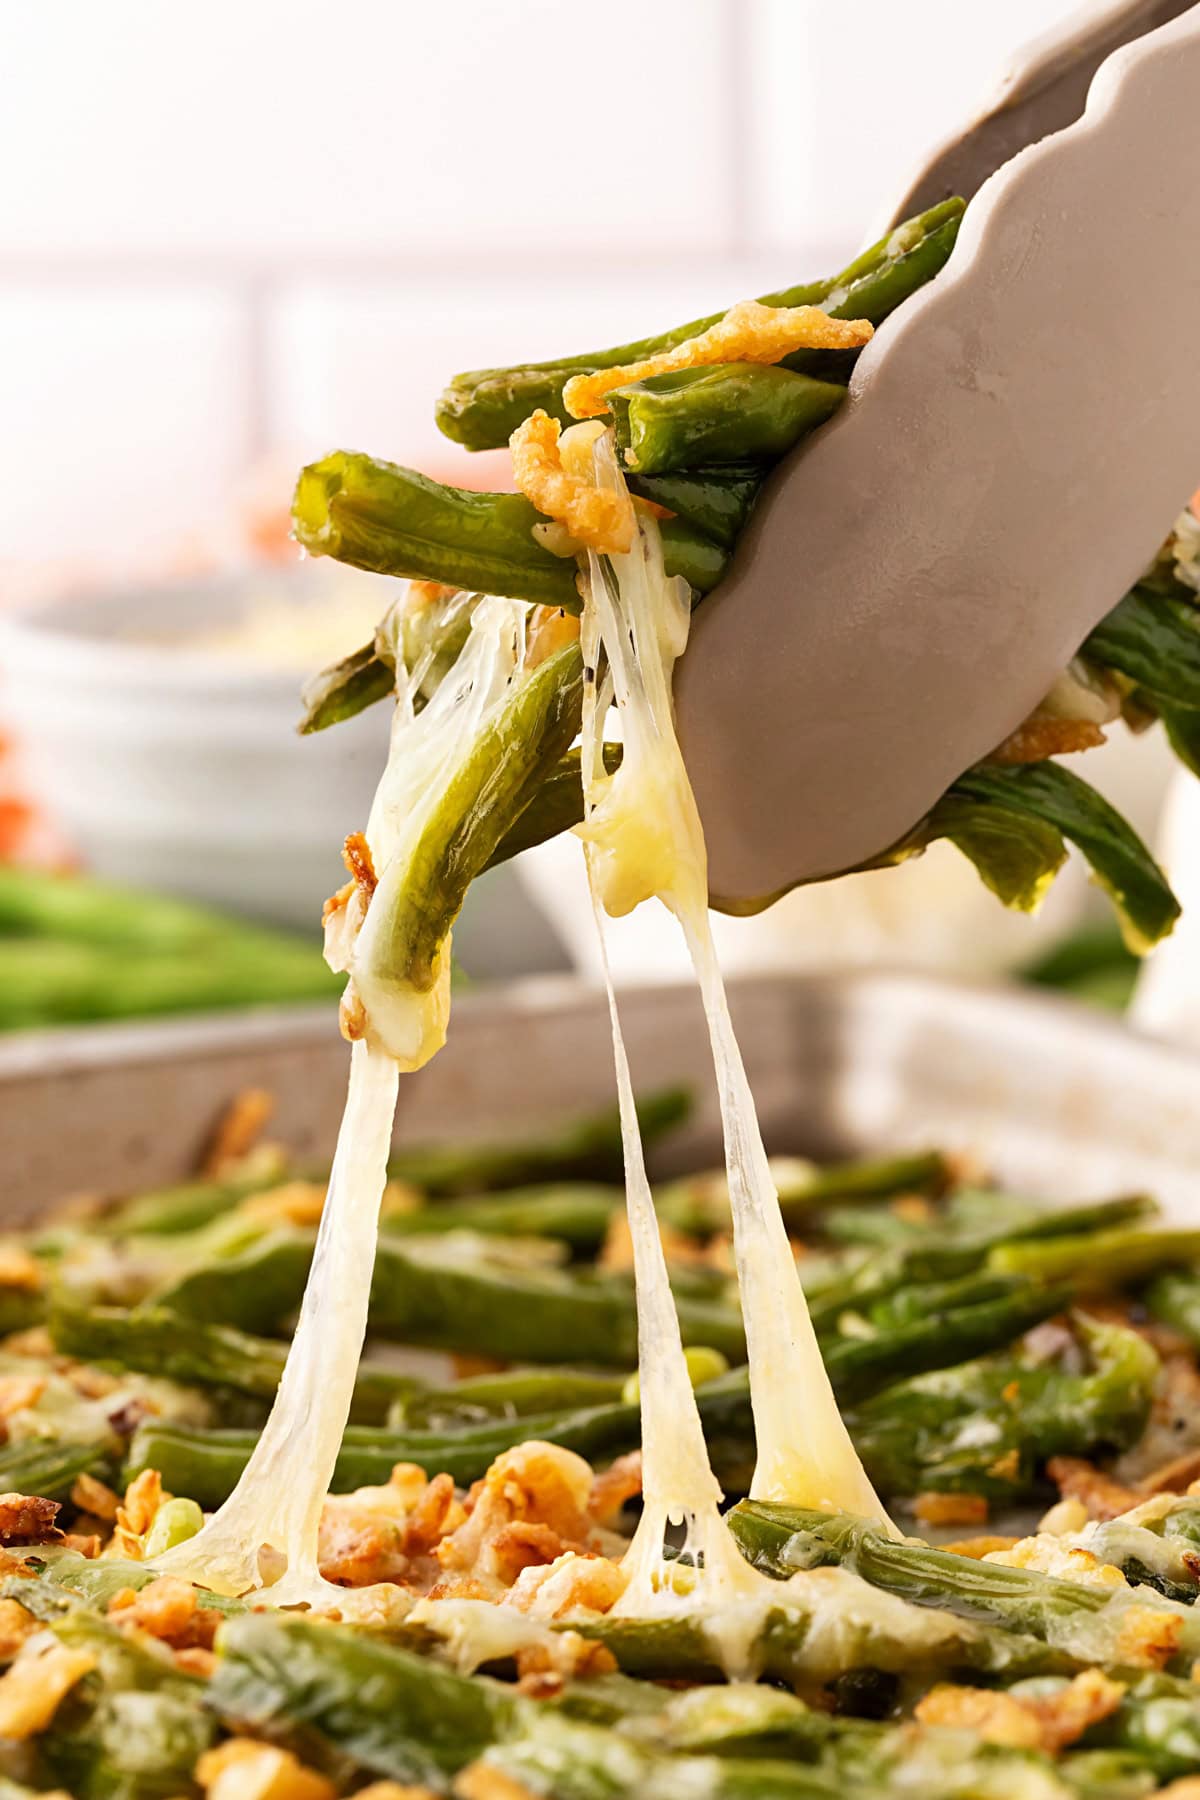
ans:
x=678 y=1485
x=805 y=1454
x=645 y=839
x=278 y=1500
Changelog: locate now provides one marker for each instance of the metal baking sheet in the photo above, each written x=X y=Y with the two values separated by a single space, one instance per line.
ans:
x=1052 y=1098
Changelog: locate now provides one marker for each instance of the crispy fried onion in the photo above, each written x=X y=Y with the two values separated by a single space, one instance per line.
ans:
x=31 y=1690
x=550 y=629
x=1071 y=717
x=553 y=469
x=26 y=1519
x=1040 y=737
x=168 y=1609
x=749 y=332
x=238 y=1130
x=144 y=1498
x=342 y=917
x=1046 y=1722
x=538 y=1513
x=243 y=1769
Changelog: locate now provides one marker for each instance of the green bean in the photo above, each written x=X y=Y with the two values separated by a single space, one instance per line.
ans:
x=1099 y=1260
x=988 y=1426
x=1159 y=1720
x=578 y=1214
x=467 y=1451
x=445 y=1294
x=1160 y=1551
x=95 y=1580
x=428 y=1293
x=1119 y=860
x=393 y=1712
x=344 y=689
x=48 y=981
x=744 y=1720
x=135 y=1725
x=206 y=1464
x=587 y=1149
x=688 y=553
x=451 y=1294
x=391 y=520
x=879 y=283
x=860 y=1366
x=482 y=408
x=1015 y=854
x=714 y=415
x=716 y=501
x=1182 y=726
x=926 y=1300
x=20 y=1308
x=556 y=807
x=425 y=635
x=1091 y=963
x=513 y=1393
x=65 y=943
x=379 y=516
x=81 y=910
x=400 y=1715
x=255 y=1289
x=1174 y=1297
x=159 y=1341
x=1153 y=637
x=950 y=1248
x=190 y=1204
x=432 y=632
x=699 y=1204
x=1087 y=1623
x=51 y=1466
x=1053 y=1222
x=1008 y=821
x=480 y=800
x=683 y=1647
x=946 y=1767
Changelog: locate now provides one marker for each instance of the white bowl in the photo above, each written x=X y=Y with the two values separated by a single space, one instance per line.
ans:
x=177 y=767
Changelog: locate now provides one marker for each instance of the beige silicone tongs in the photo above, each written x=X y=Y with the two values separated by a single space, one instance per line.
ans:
x=1017 y=442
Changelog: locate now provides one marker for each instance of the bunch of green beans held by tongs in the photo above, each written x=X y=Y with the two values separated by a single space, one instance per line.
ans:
x=699 y=443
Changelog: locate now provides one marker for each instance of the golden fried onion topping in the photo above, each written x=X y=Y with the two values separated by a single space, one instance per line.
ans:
x=749 y=332
x=542 y=468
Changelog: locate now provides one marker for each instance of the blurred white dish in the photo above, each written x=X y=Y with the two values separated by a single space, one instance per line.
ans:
x=169 y=756
x=932 y=913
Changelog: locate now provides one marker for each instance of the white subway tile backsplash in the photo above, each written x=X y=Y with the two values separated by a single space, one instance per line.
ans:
x=390 y=127
x=838 y=121
x=380 y=195
x=361 y=366
x=124 y=416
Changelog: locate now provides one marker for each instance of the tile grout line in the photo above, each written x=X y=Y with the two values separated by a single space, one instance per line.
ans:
x=737 y=22
x=255 y=300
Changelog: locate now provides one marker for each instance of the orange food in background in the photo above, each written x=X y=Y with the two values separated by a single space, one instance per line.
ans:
x=25 y=836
